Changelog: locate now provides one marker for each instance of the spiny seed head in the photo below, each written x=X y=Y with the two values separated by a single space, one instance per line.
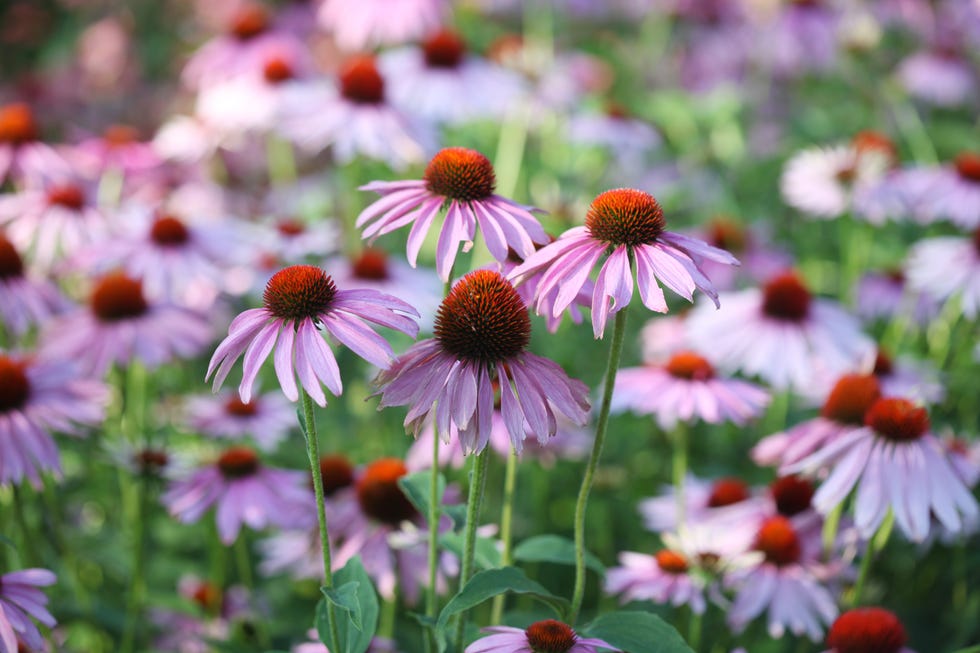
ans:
x=459 y=173
x=379 y=495
x=625 y=216
x=850 y=398
x=690 y=366
x=550 y=636
x=444 y=49
x=483 y=319
x=250 y=21
x=792 y=494
x=118 y=297
x=883 y=364
x=299 y=292
x=897 y=419
x=727 y=491
x=336 y=472
x=207 y=596
x=967 y=166
x=778 y=541
x=11 y=264
x=372 y=264
x=671 y=562
x=68 y=196
x=360 y=81
x=115 y=135
x=238 y=462
x=151 y=461
x=15 y=387
x=169 y=231
x=873 y=142
x=727 y=234
x=277 y=70
x=17 y=124
x=238 y=408
x=867 y=630
x=290 y=227
x=785 y=298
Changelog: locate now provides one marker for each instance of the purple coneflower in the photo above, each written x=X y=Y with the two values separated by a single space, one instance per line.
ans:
x=298 y=302
x=787 y=583
x=843 y=410
x=362 y=24
x=686 y=388
x=267 y=418
x=20 y=601
x=462 y=181
x=939 y=76
x=353 y=117
x=759 y=258
x=948 y=266
x=704 y=502
x=947 y=192
x=664 y=577
x=780 y=333
x=904 y=377
x=895 y=463
x=24 y=302
x=629 y=225
x=548 y=635
x=886 y=296
x=441 y=82
x=867 y=629
x=628 y=138
x=39 y=396
x=118 y=149
x=21 y=153
x=52 y=217
x=121 y=325
x=243 y=491
x=481 y=334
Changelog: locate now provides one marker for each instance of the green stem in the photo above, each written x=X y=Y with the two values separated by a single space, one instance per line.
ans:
x=863 y=573
x=137 y=587
x=243 y=562
x=432 y=596
x=679 y=468
x=478 y=480
x=615 y=351
x=313 y=451
x=829 y=533
x=28 y=553
x=506 y=535
x=694 y=631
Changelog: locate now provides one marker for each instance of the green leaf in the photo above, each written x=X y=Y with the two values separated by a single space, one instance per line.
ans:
x=416 y=489
x=458 y=514
x=637 y=632
x=345 y=598
x=488 y=584
x=486 y=555
x=354 y=635
x=9 y=542
x=556 y=549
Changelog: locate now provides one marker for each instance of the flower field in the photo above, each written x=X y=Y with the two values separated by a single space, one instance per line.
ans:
x=488 y=326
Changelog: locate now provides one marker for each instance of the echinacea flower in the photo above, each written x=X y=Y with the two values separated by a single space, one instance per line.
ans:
x=39 y=396
x=760 y=259
x=939 y=76
x=948 y=192
x=21 y=152
x=20 y=601
x=664 y=577
x=843 y=410
x=482 y=331
x=684 y=389
x=462 y=181
x=895 y=463
x=120 y=325
x=704 y=501
x=867 y=629
x=780 y=333
x=298 y=302
x=887 y=296
x=800 y=38
x=629 y=226
x=548 y=635
x=267 y=418
x=948 y=267
x=118 y=149
x=352 y=116
x=362 y=24
x=905 y=377
x=24 y=301
x=440 y=81
x=243 y=491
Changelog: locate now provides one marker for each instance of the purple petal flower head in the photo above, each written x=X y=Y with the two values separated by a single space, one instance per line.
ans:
x=867 y=629
x=895 y=463
x=38 y=396
x=628 y=225
x=665 y=577
x=462 y=181
x=267 y=418
x=481 y=333
x=946 y=267
x=21 y=152
x=121 y=325
x=299 y=301
x=243 y=491
x=358 y=25
x=686 y=388
x=24 y=301
x=548 y=635
x=20 y=601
